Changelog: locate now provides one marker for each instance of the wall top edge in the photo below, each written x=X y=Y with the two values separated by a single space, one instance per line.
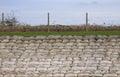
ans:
x=62 y=37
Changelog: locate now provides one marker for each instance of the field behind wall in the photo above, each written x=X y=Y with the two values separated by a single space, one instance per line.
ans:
x=60 y=33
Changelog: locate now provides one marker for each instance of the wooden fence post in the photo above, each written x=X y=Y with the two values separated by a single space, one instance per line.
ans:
x=3 y=22
x=3 y=19
x=86 y=22
x=48 y=22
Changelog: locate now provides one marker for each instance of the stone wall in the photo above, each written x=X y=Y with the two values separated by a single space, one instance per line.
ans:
x=60 y=56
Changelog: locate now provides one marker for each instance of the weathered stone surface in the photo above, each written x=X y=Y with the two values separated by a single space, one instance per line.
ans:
x=60 y=56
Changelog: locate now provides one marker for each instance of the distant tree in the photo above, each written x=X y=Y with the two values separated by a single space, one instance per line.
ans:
x=11 y=20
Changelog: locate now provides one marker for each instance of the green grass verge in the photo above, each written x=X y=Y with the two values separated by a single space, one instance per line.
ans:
x=59 y=33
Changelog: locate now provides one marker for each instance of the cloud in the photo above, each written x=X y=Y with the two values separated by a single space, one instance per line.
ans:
x=86 y=3
x=94 y=2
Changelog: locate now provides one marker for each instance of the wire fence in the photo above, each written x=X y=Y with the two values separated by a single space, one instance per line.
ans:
x=51 y=26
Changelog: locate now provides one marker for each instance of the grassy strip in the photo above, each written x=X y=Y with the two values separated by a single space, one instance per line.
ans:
x=59 y=33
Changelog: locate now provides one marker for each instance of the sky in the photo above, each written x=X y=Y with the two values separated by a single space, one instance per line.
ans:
x=66 y=12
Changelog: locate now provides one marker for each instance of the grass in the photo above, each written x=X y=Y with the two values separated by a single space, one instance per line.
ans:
x=59 y=33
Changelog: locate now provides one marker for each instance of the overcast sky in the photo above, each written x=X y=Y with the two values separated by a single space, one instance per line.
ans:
x=63 y=11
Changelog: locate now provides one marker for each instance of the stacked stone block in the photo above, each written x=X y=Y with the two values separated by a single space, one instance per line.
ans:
x=60 y=56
